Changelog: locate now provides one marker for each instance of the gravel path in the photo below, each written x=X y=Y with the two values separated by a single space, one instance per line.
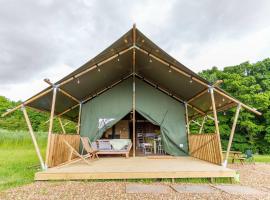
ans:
x=256 y=176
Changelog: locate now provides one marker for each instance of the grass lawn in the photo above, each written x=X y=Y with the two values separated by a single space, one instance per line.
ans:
x=18 y=159
x=17 y=166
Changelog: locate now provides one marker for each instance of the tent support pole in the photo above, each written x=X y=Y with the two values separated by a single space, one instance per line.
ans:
x=79 y=120
x=134 y=93
x=61 y=124
x=201 y=129
x=232 y=134
x=216 y=122
x=33 y=138
x=187 y=124
x=51 y=125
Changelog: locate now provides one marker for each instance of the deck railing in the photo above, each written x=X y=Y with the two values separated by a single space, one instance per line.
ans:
x=205 y=147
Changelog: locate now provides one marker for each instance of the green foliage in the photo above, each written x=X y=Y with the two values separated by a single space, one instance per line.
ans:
x=250 y=83
x=39 y=120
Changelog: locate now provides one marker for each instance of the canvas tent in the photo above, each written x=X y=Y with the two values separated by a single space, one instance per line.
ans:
x=134 y=74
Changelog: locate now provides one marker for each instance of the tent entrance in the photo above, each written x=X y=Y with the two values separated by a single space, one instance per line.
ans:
x=159 y=109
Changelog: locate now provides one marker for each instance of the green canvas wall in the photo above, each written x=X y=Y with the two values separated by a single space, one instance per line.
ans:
x=107 y=109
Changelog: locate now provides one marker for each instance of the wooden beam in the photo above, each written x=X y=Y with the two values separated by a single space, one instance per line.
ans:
x=134 y=94
x=79 y=120
x=197 y=95
x=95 y=66
x=202 y=125
x=27 y=102
x=61 y=124
x=172 y=66
x=69 y=95
x=62 y=90
x=51 y=125
x=33 y=138
x=232 y=134
x=196 y=123
x=238 y=102
x=216 y=122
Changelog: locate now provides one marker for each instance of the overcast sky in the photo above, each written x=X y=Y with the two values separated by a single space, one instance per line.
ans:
x=49 y=39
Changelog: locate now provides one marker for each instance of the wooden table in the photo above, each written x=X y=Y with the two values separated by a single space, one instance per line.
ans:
x=236 y=155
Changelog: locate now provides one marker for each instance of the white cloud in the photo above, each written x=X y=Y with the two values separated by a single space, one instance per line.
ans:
x=226 y=51
x=49 y=39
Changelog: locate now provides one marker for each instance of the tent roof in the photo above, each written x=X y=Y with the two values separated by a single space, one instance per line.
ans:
x=114 y=64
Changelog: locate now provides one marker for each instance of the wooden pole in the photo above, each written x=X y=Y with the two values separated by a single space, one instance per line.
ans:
x=187 y=124
x=51 y=125
x=33 y=138
x=61 y=124
x=27 y=102
x=232 y=134
x=201 y=129
x=133 y=96
x=216 y=121
x=238 y=102
x=79 y=120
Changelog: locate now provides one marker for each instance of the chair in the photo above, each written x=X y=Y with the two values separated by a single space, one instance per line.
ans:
x=160 y=146
x=86 y=146
x=76 y=153
x=249 y=156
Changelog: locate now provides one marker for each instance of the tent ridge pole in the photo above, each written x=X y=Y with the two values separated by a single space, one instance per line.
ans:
x=51 y=124
x=232 y=134
x=216 y=121
x=30 y=128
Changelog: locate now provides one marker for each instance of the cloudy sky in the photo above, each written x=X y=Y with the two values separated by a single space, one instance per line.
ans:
x=51 y=38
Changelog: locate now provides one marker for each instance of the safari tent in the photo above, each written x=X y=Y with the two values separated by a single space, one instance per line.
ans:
x=135 y=80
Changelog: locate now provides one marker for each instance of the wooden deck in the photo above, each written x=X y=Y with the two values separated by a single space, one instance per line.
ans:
x=137 y=168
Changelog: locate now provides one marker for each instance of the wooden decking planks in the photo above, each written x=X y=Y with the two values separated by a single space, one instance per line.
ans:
x=137 y=168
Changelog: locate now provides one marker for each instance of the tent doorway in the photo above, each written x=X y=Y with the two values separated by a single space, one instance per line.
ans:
x=148 y=135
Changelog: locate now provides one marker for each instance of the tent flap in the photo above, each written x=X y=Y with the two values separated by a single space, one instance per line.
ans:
x=169 y=114
x=104 y=111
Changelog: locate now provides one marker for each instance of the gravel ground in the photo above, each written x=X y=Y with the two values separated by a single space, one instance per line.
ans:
x=256 y=176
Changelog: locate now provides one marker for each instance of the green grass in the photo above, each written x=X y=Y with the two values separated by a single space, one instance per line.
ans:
x=262 y=158
x=18 y=159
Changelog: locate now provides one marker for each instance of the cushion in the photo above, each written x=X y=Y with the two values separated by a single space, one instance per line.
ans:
x=104 y=145
x=120 y=144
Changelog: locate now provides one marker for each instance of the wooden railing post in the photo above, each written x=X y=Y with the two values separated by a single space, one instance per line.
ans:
x=79 y=119
x=231 y=135
x=51 y=124
x=216 y=121
x=33 y=137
